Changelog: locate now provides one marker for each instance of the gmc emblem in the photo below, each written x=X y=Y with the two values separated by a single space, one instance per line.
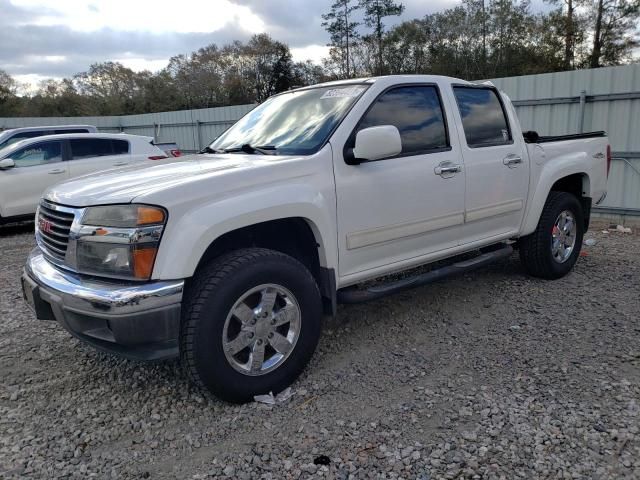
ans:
x=44 y=225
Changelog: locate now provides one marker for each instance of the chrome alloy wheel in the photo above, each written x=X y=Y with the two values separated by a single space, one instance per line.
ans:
x=261 y=329
x=563 y=236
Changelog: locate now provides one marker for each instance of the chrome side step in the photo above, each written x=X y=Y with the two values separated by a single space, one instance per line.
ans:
x=355 y=295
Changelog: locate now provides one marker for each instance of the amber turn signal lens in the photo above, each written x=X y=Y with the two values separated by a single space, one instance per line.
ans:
x=150 y=216
x=143 y=259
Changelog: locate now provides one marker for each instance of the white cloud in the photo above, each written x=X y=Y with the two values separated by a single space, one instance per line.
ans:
x=183 y=16
x=315 y=53
x=139 y=64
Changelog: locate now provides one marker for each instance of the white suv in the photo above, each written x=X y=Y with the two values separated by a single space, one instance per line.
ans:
x=29 y=167
x=13 y=135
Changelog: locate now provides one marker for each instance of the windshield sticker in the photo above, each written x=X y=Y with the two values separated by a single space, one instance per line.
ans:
x=342 y=92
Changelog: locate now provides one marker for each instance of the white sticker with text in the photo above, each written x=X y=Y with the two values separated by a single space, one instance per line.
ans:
x=342 y=92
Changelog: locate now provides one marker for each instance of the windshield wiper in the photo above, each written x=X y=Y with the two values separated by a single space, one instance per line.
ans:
x=208 y=149
x=246 y=148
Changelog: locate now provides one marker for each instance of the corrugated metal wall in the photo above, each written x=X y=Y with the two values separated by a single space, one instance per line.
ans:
x=552 y=104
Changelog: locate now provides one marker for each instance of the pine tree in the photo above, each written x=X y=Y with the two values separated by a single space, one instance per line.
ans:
x=374 y=12
x=342 y=29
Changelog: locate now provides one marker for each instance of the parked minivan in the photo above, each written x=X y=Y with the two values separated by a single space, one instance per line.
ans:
x=29 y=167
x=7 y=137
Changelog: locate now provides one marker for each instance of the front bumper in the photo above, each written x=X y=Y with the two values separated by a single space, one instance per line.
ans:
x=134 y=320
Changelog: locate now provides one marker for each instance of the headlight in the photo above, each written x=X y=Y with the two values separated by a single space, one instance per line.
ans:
x=124 y=216
x=119 y=241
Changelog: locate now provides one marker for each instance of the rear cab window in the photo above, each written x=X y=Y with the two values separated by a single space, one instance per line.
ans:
x=484 y=118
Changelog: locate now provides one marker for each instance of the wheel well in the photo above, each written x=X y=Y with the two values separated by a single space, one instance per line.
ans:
x=292 y=236
x=578 y=185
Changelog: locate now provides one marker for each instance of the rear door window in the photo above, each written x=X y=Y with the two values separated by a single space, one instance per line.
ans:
x=483 y=117
x=120 y=147
x=38 y=154
x=90 y=147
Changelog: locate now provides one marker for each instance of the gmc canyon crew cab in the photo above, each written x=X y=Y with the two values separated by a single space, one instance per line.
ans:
x=230 y=257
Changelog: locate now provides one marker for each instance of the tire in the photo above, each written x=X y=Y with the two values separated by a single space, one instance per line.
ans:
x=216 y=323
x=537 y=252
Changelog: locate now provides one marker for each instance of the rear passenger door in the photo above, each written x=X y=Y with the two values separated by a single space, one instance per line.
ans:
x=89 y=155
x=497 y=170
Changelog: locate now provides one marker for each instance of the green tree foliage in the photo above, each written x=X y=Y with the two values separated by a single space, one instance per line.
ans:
x=8 y=88
x=614 y=31
x=375 y=11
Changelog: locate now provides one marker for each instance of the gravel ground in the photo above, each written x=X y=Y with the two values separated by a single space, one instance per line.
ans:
x=488 y=375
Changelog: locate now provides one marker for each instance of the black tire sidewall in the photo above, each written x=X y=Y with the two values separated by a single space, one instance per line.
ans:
x=565 y=202
x=214 y=370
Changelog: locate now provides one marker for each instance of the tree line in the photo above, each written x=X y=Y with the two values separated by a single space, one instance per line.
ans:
x=474 y=40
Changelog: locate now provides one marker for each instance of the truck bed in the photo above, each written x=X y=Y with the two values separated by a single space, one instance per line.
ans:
x=533 y=137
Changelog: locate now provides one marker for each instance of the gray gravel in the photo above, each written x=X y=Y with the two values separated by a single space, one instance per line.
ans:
x=489 y=375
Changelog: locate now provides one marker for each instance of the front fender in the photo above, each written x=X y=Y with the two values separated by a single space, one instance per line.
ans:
x=186 y=239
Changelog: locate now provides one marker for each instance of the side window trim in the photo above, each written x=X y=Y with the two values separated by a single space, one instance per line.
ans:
x=350 y=143
x=502 y=107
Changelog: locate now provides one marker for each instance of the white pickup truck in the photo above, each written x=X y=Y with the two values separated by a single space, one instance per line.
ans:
x=229 y=258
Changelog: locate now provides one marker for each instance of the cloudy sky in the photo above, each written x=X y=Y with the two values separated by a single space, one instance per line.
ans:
x=56 y=38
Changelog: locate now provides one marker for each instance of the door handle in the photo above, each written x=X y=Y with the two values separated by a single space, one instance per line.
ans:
x=118 y=164
x=56 y=171
x=447 y=169
x=512 y=160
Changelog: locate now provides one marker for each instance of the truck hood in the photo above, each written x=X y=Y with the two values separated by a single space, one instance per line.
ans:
x=126 y=184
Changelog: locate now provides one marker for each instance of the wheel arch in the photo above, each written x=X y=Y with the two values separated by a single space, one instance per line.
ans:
x=298 y=237
x=577 y=183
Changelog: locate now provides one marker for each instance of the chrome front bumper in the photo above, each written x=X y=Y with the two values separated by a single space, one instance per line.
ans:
x=134 y=320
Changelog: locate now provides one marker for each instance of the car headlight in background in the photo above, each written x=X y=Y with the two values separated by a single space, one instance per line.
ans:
x=119 y=241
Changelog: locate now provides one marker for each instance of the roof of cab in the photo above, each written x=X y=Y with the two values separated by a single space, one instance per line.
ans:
x=389 y=79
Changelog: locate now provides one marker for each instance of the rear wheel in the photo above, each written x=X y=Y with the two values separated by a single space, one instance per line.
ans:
x=553 y=248
x=251 y=321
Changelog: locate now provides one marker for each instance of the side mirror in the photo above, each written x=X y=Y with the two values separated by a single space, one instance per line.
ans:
x=374 y=143
x=7 y=163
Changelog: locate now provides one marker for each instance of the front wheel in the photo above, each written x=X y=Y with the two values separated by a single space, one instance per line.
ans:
x=553 y=248
x=251 y=322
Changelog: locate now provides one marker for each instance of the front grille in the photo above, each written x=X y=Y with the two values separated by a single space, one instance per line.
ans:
x=53 y=226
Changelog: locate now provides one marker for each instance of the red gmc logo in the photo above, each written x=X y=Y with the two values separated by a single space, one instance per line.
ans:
x=44 y=225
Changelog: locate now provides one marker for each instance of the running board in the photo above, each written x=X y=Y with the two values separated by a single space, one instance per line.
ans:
x=354 y=295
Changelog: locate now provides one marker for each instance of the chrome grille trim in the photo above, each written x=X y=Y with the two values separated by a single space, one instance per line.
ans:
x=59 y=221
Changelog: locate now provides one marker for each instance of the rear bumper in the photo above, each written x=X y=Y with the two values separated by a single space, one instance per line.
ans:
x=133 y=320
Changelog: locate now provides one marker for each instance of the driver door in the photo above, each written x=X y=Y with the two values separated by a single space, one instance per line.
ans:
x=399 y=209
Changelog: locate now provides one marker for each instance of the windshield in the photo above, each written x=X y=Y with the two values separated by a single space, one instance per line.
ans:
x=294 y=123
